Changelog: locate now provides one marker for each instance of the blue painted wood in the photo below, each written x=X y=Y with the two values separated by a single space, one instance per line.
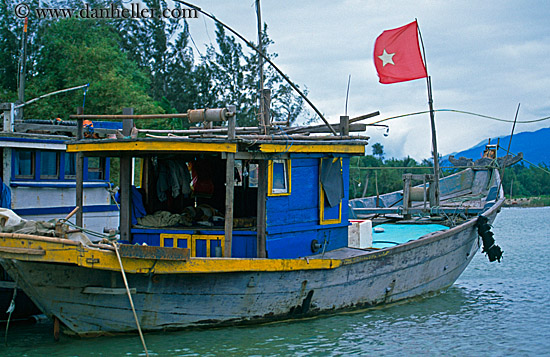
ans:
x=300 y=227
x=294 y=245
x=64 y=210
x=243 y=245
x=301 y=210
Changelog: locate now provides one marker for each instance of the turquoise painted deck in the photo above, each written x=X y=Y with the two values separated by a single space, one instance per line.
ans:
x=402 y=233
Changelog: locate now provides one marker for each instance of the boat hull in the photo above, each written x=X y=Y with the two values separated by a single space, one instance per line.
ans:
x=91 y=301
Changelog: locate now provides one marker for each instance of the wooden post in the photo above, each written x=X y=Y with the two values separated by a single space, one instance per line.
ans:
x=434 y=143
x=79 y=173
x=261 y=220
x=266 y=102
x=229 y=190
x=261 y=217
x=366 y=185
x=432 y=191
x=376 y=186
x=344 y=125
x=126 y=181
x=9 y=112
x=406 y=195
x=56 y=329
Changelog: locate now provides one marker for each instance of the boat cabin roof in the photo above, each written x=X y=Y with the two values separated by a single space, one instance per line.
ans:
x=117 y=147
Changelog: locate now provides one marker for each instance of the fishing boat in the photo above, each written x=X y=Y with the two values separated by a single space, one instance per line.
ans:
x=233 y=226
x=38 y=182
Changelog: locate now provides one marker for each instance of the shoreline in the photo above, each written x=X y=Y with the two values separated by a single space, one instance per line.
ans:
x=527 y=202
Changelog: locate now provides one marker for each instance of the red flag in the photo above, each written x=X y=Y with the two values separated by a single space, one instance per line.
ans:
x=397 y=55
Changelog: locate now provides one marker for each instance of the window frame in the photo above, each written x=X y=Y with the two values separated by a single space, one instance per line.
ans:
x=103 y=162
x=322 y=219
x=287 y=172
x=16 y=162
x=56 y=176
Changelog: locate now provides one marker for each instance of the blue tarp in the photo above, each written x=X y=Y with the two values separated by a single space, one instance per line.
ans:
x=401 y=233
x=138 y=210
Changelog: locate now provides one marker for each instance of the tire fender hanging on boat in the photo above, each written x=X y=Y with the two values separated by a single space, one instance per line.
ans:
x=492 y=250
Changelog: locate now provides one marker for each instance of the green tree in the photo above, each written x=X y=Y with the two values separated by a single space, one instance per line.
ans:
x=227 y=72
x=228 y=75
x=378 y=150
x=74 y=52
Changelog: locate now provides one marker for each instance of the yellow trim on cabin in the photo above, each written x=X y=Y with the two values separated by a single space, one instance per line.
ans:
x=58 y=251
x=322 y=219
x=163 y=146
x=288 y=168
x=311 y=148
x=191 y=240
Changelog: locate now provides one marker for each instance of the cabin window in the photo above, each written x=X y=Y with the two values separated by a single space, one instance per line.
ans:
x=70 y=165
x=24 y=164
x=246 y=174
x=96 y=168
x=49 y=165
x=279 y=177
x=331 y=190
x=253 y=175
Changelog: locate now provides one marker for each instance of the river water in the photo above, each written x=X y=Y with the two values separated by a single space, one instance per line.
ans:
x=494 y=309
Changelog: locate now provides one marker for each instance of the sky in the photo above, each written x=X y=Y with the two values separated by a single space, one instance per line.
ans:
x=484 y=57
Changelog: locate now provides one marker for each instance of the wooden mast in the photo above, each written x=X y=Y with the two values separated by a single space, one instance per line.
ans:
x=432 y=122
x=261 y=220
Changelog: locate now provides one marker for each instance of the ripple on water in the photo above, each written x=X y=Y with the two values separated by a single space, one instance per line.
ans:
x=493 y=310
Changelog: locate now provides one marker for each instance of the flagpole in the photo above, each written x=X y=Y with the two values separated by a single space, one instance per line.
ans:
x=432 y=120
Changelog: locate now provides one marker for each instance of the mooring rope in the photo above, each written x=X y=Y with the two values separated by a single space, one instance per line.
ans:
x=11 y=308
x=130 y=298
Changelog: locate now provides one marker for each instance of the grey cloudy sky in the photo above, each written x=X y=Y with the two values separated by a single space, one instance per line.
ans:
x=483 y=57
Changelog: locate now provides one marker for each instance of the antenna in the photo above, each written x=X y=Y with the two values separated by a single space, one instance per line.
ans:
x=347 y=96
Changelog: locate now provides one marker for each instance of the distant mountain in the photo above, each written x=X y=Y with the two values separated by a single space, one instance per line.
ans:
x=535 y=146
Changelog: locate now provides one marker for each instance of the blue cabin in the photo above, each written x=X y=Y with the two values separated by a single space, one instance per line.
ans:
x=274 y=198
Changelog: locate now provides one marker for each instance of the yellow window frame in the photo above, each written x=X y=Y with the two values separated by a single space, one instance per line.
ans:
x=322 y=219
x=191 y=241
x=288 y=168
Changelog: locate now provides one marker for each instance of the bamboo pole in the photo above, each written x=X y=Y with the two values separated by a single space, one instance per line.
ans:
x=127 y=116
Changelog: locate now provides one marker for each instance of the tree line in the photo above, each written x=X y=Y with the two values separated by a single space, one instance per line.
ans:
x=154 y=66
x=372 y=174
x=150 y=64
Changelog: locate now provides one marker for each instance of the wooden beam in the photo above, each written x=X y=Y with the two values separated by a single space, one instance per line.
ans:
x=355 y=127
x=363 y=117
x=127 y=116
x=23 y=127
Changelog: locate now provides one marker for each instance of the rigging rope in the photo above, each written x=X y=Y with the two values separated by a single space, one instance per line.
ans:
x=461 y=112
x=130 y=298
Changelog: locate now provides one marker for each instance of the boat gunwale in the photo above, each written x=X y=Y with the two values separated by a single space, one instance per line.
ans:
x=198 y=265
x=425 y=239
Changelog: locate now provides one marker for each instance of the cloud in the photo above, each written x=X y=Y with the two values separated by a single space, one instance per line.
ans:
x=484 y=57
